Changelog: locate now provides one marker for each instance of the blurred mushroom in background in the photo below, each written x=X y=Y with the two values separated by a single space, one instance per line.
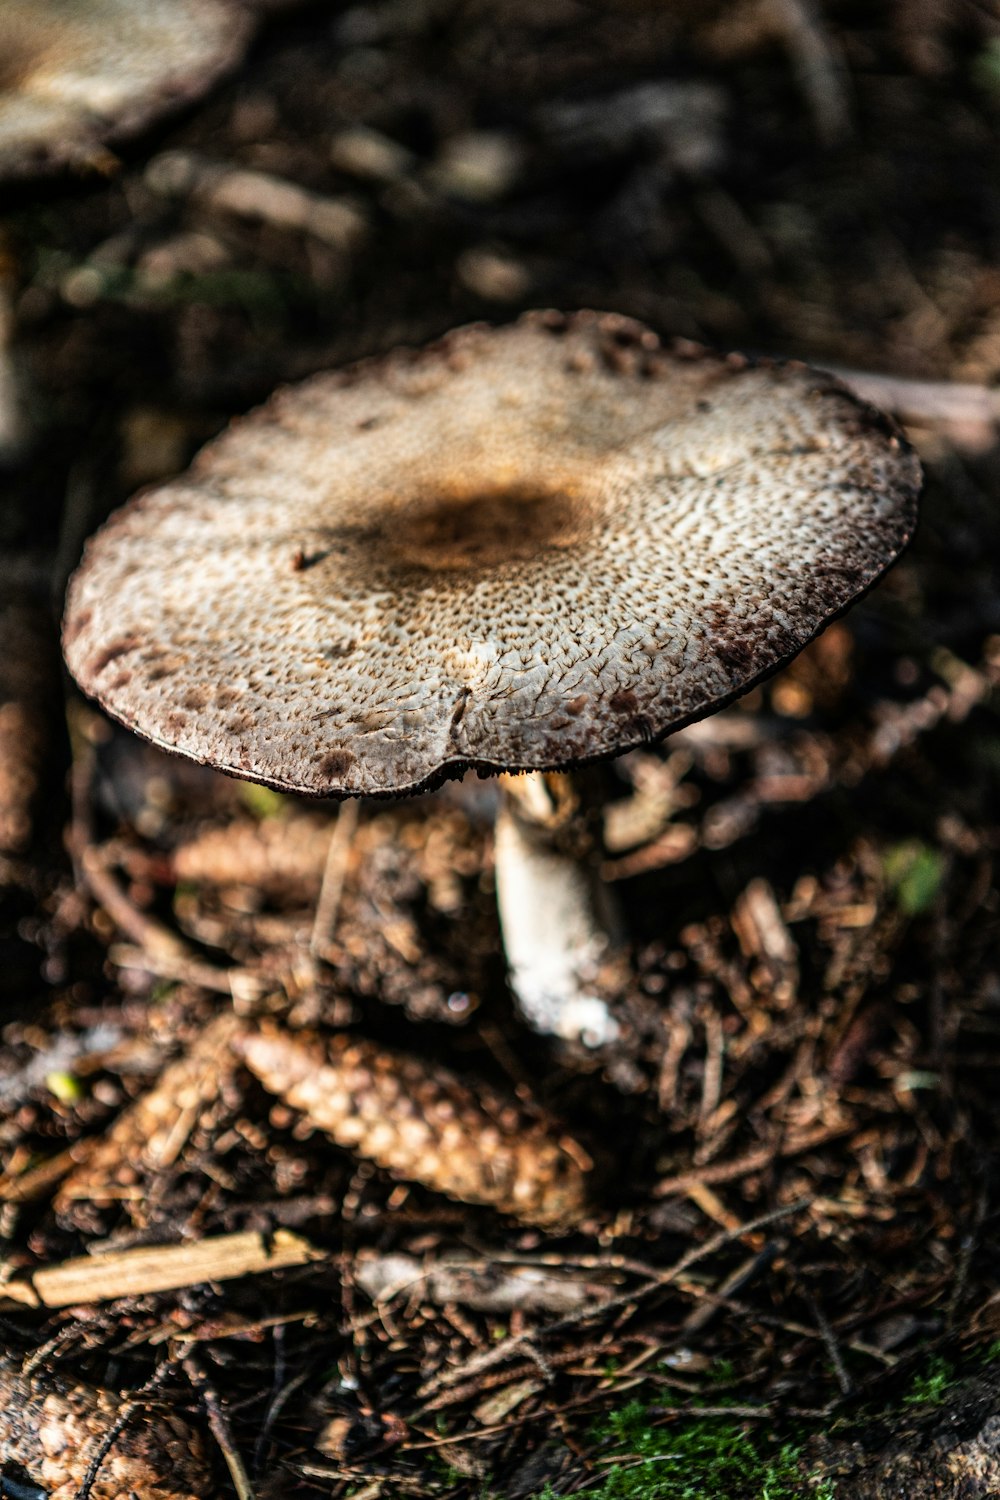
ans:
x=77 y=74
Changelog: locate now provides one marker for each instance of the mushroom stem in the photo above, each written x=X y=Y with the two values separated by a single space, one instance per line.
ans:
x=555 y=914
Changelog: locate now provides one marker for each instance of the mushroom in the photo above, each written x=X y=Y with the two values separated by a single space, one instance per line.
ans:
x=520 y=549
x=75 y=74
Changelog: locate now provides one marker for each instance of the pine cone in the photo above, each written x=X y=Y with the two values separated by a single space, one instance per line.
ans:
x=422 y=1123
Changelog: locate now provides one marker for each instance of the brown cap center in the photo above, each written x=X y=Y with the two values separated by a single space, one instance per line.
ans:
x=466 y=532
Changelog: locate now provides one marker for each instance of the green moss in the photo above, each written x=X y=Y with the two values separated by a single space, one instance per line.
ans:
x=913 y=872
x=986 y=68
x=65 y=1086
x=687 y=1457
x=932 y=1385
x=261 y=801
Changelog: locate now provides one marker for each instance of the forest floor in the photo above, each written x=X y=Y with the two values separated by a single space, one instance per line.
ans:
x=784 y=1281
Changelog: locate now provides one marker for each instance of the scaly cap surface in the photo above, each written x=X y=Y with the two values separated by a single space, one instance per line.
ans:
x=525 y=547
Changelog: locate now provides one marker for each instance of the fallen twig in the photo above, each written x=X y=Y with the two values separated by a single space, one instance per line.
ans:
x=158 y=1268
x=334 y=875
x=220 y=1426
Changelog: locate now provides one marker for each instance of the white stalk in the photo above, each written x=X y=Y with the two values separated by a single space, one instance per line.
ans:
x=553 y=937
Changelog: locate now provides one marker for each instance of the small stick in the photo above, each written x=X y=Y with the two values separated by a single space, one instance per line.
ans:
x=13 y=422
x=754 y=1161
x=703 y=1314
x=925 y=401
x=334 y=875
x=158 y=950
x=511 y=1346
x=817 y=66
x=258 y=197
x=832 y=1348
x=219 y=1424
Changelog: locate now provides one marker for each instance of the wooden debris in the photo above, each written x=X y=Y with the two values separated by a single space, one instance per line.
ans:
x=951 y=403
x=158 y=949
x=898 y=725
x=219 y=1423
x=763 y=935
x=13 y=419
x=819 y=70
x=54 y=1432
x=159 y=1268
x=422 y=1123
x=484 y=1284
x=338 y=851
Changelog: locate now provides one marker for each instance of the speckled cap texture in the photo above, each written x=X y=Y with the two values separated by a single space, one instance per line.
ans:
x=520 y=548
x=75 y=74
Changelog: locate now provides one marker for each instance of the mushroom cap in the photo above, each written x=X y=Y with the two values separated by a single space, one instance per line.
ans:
x=77 y=73
x=520 y=548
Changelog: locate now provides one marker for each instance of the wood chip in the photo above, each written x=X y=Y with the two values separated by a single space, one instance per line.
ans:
x=159 y=1268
